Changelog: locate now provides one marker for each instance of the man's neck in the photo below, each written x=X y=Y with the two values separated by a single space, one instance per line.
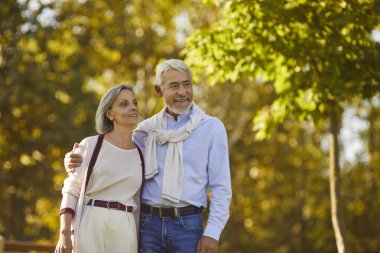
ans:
x=172 y=113
x=176 y=115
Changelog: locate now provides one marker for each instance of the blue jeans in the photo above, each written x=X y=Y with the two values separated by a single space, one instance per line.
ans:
x=170 y=235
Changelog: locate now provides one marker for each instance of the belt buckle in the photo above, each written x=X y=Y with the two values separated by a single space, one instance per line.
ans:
x=109 y=207
x=161 y=213
x=176 y=215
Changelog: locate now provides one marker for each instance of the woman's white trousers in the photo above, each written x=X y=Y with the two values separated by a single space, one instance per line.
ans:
x=105 y=230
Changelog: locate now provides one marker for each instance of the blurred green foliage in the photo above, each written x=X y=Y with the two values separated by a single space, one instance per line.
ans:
x=319 y=56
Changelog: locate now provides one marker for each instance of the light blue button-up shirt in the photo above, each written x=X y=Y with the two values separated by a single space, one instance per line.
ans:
x=206 y=166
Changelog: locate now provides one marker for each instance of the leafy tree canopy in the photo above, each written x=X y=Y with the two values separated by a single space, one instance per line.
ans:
x=317 y=53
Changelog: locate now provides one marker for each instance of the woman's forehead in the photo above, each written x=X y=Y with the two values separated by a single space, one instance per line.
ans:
x=125 y=94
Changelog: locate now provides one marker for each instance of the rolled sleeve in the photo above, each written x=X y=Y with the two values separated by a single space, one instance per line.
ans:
x=69 y=201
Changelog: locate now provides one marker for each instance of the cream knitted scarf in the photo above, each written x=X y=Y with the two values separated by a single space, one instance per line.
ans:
x=155 y=127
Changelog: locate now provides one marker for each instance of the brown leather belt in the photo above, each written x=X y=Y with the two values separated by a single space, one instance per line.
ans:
x=170 y=212
x=110 y=205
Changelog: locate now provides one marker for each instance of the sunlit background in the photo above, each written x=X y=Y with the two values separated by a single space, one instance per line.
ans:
x=275 y=72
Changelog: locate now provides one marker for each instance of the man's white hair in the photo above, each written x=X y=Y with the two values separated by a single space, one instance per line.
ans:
x=171 y=64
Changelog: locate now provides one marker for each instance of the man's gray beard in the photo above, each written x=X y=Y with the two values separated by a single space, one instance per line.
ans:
x=179 y=111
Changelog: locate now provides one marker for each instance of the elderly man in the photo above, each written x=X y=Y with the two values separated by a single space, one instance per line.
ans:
x=186 y=154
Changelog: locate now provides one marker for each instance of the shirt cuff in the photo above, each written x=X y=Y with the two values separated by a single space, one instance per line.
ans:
x=67 y=210
x=212 y=231
x=68 y=201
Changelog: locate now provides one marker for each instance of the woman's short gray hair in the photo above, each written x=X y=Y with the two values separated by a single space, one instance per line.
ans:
x=102 y=123
x=169 y=64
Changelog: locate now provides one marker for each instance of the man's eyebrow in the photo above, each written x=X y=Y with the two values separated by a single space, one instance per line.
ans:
x=180 y=81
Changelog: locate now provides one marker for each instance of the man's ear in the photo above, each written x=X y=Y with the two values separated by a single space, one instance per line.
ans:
x=158 y=90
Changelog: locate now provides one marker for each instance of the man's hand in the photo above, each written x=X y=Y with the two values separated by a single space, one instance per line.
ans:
x=72 y=159
x=207 y=245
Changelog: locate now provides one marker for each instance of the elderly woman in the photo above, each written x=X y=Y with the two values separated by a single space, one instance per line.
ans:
x=102 y=195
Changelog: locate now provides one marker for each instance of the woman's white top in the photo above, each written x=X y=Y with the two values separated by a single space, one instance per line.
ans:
x=116 y=176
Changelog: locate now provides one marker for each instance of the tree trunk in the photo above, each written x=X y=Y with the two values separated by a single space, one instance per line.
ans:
x=373 y=148
x=336 y=200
